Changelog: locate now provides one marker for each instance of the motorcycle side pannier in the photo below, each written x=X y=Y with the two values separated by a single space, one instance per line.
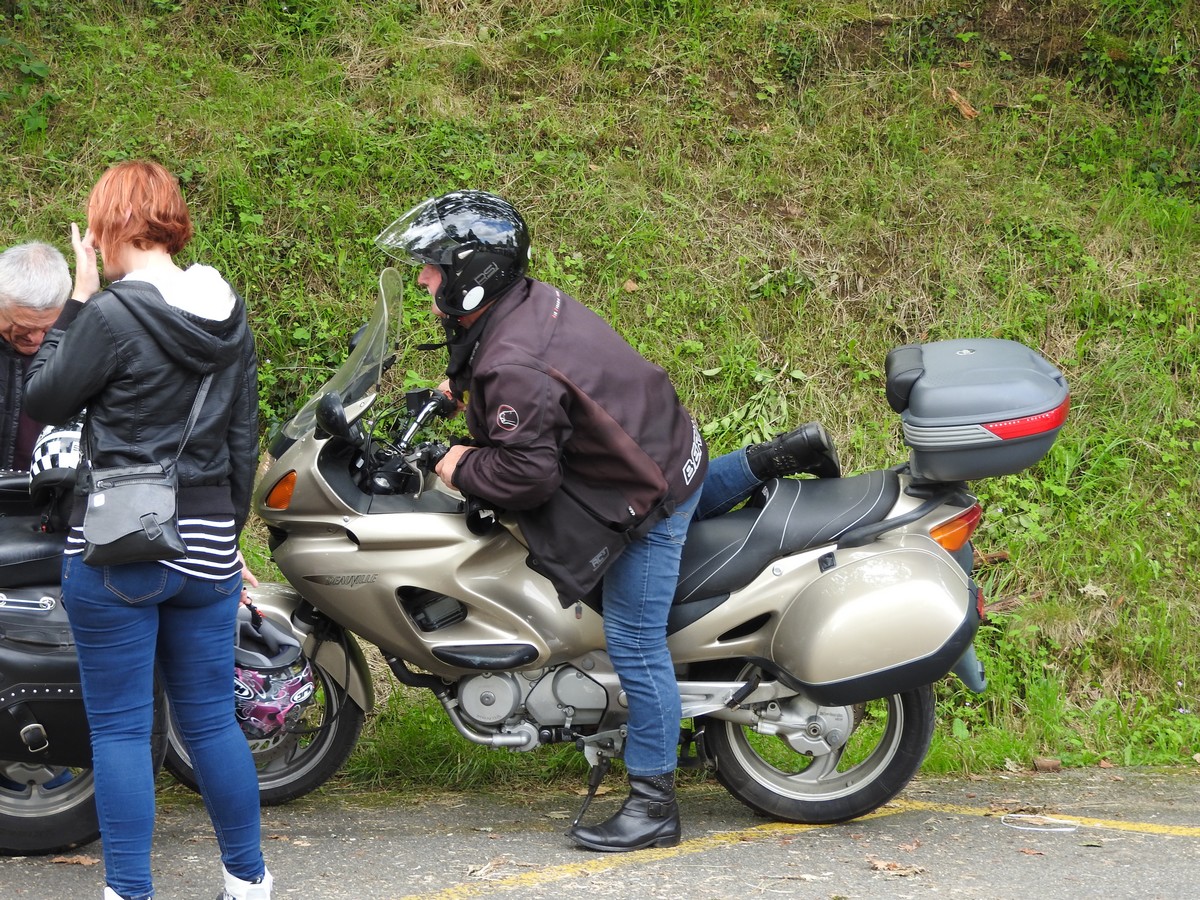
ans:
x=975 y=408
x=42 y=718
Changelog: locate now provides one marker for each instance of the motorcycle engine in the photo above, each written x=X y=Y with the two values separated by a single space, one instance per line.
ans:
x=552 y=697
x=490 y=699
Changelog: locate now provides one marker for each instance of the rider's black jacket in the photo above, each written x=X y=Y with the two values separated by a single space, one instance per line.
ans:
x=135 y=362
x=12 y=396
x=578 y=434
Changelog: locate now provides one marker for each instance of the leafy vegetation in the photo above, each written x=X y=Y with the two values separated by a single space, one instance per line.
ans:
x=764 y=197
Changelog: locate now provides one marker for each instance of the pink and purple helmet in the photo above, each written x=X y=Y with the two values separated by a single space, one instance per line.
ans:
x=273 y=682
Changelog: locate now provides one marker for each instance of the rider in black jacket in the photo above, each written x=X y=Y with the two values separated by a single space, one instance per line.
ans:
x=588 y=443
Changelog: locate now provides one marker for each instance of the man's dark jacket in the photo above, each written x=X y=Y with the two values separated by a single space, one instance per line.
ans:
x=580 y=435
x=12 y=393
x=135 y=362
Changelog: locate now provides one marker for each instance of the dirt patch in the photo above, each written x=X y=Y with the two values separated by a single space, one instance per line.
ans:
x=1037 y=35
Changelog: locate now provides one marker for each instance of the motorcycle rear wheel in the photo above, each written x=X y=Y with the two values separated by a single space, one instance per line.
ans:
x=889 y=742
x=292 y=765
x=45 y=809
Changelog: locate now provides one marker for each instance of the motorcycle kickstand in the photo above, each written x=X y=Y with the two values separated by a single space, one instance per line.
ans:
x=595 y=776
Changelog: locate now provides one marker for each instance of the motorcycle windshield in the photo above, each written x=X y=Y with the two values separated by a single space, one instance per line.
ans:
x=363 y=368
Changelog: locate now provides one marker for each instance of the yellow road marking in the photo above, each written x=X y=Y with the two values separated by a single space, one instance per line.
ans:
x=606 y=862
x=610 y=861
x=1083 y=821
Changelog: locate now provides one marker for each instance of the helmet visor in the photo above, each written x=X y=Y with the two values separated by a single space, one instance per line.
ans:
x=431 y=231
x=418 y=237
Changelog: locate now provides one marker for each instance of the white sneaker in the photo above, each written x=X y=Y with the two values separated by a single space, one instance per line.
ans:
x=110 y=894
x=236 y=889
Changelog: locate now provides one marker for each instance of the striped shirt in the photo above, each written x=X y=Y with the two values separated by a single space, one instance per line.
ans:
x=212 y=548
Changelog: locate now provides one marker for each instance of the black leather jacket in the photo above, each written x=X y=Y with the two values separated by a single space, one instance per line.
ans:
x=135 y=362
x=12 y=395
x=578 y=434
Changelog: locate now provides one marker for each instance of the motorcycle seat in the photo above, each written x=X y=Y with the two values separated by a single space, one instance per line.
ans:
x=786 y=516
x=28 y=555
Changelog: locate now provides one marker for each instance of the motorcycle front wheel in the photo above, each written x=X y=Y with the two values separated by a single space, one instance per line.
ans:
x=299 y=760
x=889 y=741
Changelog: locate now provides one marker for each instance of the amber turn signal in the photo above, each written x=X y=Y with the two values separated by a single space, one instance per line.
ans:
x=954 y=534
x=280 y=496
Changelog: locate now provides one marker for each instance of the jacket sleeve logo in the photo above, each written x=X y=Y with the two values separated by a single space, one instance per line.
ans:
x=507 y=418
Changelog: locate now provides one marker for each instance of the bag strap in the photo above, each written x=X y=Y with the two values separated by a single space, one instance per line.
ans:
x=201 y=394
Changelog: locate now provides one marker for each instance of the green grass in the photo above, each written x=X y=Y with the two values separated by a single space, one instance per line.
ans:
x=764 y=197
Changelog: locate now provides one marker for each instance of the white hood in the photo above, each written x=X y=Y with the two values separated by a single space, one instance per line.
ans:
x=199 y=290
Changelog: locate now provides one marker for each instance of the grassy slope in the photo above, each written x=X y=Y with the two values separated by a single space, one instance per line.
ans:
x=765 y=197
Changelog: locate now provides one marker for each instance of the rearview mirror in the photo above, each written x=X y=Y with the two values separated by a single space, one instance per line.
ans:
x=331 y=416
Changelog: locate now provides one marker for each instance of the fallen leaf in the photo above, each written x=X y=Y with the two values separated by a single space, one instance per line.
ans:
x=488 y=867
x=600 y=791
x=1029 y=851
x=967 y=110
x=76 y=860
x=894 y=868
x=1105 y=764
x=990 y=559
x=631 y=286
x=911 y=847
x=1009 y=807
x=1047 y=764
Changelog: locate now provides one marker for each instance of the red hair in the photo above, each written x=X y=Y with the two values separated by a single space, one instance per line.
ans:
x=139 y=203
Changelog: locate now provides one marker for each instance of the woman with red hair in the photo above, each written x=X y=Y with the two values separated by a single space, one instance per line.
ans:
x=134 y=355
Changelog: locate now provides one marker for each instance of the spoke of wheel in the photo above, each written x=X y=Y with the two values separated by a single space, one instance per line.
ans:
x=820 y=768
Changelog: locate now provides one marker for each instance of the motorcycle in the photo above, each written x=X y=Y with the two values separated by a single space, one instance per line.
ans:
x=47 y=792
x=808 y=629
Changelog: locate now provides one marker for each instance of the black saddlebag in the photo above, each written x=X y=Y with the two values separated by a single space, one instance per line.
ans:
x=42 y=719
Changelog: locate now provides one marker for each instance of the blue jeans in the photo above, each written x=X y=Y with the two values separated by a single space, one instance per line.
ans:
x=123 y=618
x=637 y=593
x=729 y=481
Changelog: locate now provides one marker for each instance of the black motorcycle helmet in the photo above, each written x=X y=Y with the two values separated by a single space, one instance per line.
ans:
x=478 y=240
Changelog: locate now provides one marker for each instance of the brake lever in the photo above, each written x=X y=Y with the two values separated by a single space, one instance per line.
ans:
x=422 y=463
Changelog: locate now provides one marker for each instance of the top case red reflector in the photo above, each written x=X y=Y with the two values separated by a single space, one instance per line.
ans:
x=1008 y=429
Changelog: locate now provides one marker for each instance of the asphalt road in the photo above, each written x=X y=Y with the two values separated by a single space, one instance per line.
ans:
x=1080 y=834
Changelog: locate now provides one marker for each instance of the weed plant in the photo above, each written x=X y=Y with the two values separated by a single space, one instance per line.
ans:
x=764 y=196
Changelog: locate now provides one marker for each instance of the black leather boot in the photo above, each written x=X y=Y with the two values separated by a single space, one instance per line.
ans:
x=649 y=817
x=807 y=450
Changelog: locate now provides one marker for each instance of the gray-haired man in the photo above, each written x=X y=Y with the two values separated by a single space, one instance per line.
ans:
x=35 y=283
